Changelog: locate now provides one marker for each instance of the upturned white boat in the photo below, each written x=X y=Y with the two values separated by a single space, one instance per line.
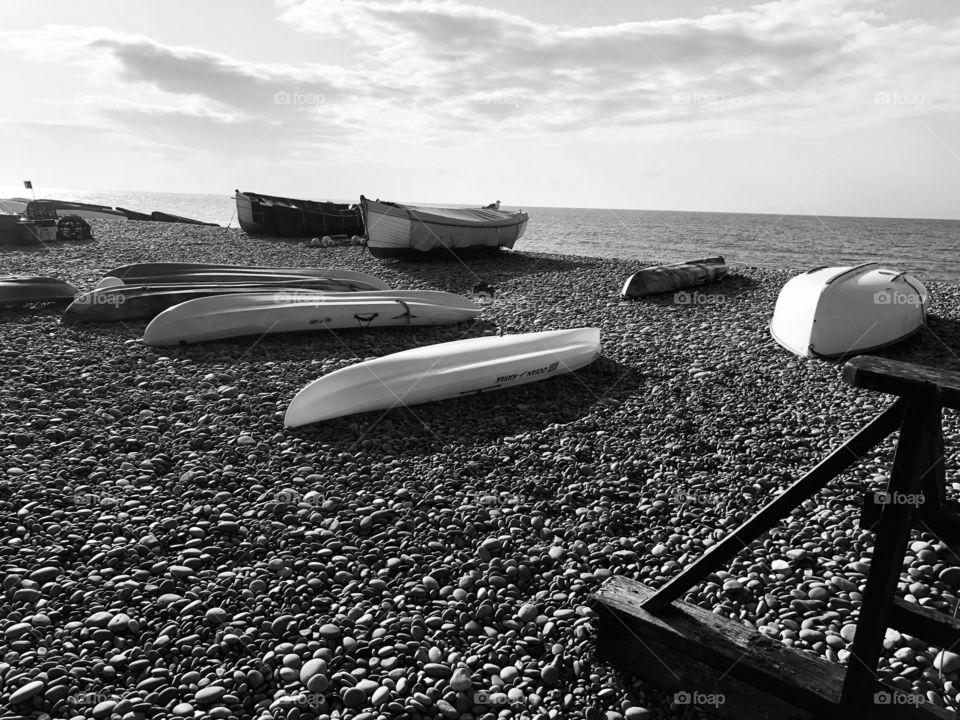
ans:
x=226 y=316
x=837 y=311
x=395 y=230
x=443 y=371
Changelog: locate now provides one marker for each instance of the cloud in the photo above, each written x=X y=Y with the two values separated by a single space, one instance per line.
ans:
x=825 y=57
x=432 y=71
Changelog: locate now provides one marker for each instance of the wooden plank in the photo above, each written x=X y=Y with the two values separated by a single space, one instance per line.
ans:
x=937 y=628
x=850 y=452
x=689 y=649
x=904 y=379
x=914 y=459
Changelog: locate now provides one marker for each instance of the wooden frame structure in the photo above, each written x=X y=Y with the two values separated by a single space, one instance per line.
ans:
x=683 y=647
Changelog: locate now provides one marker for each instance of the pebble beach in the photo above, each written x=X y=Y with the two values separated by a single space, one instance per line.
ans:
x=170 y=550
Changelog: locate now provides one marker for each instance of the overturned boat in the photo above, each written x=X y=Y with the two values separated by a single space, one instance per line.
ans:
x=221 y=317
x=206 y=273
x=287 y=217
x=667 y=278
x=143 y=302
x=443 y=371
x=396 y=231
x=24 y=289
x=836 y=311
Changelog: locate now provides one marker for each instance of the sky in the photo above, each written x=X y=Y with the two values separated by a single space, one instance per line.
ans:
x=826 y=107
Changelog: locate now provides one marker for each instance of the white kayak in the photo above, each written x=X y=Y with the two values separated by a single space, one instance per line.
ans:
x=226 y=316
x=446 y=370
x=838 y=311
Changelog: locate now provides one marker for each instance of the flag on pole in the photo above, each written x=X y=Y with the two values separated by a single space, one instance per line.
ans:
x=28 y=185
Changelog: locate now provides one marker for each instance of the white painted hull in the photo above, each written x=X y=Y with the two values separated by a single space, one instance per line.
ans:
x=395 y=230
x=227 y=316
x=443 y=371
x=838 y=311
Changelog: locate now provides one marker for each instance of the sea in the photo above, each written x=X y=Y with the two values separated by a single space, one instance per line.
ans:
x=929 y=249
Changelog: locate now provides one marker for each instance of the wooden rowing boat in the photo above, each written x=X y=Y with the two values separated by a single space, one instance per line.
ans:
x=394 y=230
x=670 y=278
x=287 y=217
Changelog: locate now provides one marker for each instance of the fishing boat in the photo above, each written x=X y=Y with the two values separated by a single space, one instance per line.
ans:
x=23 y=289
x=286 y=217
x=443 y=371
x=205 y=273
x=227 y=316
x=837 y=311
x=397 y=231
x=669 y=278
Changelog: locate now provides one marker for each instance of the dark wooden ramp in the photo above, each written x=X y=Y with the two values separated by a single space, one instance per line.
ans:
x=705 y=657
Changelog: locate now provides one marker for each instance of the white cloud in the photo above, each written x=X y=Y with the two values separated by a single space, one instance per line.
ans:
x=434 y=71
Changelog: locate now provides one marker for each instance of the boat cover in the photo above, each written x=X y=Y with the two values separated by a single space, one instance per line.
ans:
x=466 y=217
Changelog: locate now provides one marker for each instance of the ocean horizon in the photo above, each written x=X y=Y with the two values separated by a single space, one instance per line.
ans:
x=926 y=247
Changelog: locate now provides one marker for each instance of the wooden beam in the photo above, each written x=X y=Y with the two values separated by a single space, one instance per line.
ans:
x=904 y=379
x=835 y=463
x=689 y=649
x=936 y=627
x=914 y=459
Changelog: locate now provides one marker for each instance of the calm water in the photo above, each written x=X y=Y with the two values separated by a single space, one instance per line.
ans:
x=928 y=248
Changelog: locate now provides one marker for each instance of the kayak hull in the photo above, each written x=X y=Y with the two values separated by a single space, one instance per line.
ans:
x=228 y=316
x=443 y=371
x=156 y=273
x=143 y=302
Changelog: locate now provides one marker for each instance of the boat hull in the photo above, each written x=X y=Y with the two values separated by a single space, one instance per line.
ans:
x=55 y=209
x=406 y=231
x=143 y=302
x=195 y=273
x=840 y=311
x=288 y=217
x=443 y=371
x=228 y=316
x=24 y=289
x=669 y=278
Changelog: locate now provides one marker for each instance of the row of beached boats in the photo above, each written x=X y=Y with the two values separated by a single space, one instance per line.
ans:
x=389 y=229
x=826 y=312
x=198 y=302
x=46 y=209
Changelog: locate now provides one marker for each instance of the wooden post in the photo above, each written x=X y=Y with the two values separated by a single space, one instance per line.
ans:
x=915 y=459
